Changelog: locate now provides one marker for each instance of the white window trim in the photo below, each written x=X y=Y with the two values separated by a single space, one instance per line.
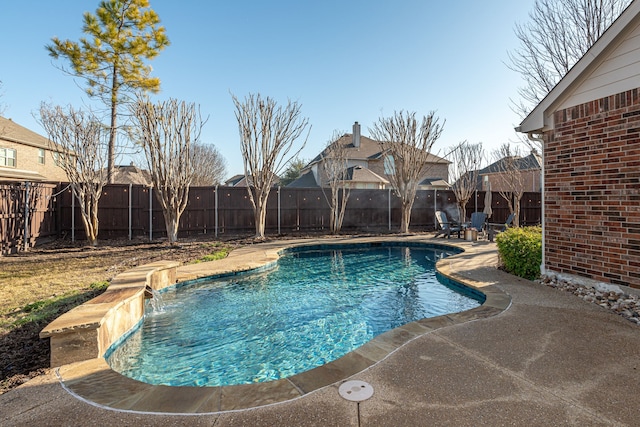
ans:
x=4 y=157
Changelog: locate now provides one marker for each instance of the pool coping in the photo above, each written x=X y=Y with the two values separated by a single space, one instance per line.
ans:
x=93 y=380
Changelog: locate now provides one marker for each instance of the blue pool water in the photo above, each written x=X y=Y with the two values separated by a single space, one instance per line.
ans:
x=313 y=308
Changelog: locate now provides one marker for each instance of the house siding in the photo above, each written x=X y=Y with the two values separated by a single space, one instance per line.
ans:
x=592 y=190
x=618 y=72
x=27 y=159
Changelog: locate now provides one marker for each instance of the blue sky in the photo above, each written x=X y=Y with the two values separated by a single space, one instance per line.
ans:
x=342 y=60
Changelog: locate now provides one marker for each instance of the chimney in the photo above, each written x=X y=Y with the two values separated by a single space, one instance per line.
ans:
x=356 y=135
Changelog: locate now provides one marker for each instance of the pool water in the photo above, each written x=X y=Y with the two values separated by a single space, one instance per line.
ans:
x=313 y=308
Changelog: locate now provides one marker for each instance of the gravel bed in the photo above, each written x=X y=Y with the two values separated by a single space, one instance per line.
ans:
x=625 y=304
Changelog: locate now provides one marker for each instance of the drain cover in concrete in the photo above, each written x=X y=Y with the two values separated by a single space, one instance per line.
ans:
x=356 y=391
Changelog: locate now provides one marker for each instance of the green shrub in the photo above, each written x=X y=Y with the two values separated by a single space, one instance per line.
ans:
x=520 y=251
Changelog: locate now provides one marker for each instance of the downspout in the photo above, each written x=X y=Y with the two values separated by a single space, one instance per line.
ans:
x=539 y=140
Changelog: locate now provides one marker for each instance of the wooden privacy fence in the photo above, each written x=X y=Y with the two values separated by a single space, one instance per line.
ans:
x=27 y=212
x=133 y=211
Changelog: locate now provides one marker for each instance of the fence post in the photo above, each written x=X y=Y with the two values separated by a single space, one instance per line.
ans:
x=150 y=213
x=435 y=208
x=215 y=198
x=26 y=215
x=389 y=208
x=73 y=217
x=279 y=210
x=130 y=187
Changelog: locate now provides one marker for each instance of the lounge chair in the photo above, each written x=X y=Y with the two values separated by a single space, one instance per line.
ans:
x=495 y=228
x=478 y=221
x=446 y=227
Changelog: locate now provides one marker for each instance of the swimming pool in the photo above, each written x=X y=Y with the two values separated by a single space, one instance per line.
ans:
x=315 y=306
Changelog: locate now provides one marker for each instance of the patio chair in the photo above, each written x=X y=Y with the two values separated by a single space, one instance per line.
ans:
x=495 y=228
x=478 y=221
x=446 y=227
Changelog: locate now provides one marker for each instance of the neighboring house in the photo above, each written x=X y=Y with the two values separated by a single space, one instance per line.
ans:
x=26 y=156
x=241 y=181
x=590 y=126
x=231 y=182
x=131 y=174
x=530 y=168
x=434 y=184
x=368 y=166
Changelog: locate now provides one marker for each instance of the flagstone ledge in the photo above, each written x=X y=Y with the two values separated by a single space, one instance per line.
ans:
x=87 y=331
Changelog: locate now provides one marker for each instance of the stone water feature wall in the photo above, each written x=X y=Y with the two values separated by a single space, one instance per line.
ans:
x=88 y=330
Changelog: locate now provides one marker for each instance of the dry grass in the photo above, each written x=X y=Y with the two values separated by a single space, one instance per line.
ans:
x=52 y=272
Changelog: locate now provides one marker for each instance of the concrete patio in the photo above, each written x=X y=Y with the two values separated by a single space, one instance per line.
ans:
x=548 y=359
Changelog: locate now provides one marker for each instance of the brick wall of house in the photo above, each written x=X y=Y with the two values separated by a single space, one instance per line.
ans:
x=437 y=170
x=27 y=159
x=377 y=166
x=592 y=190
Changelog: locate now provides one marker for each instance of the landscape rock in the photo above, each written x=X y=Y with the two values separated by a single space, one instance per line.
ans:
x=607 y=296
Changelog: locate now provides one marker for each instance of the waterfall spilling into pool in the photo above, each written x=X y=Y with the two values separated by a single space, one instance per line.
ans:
x=315 y=306
x=156 y=302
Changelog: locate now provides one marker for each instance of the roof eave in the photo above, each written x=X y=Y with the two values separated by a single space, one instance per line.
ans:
x=535 y=121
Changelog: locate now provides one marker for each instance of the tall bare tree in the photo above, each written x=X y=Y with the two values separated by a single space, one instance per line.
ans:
x=509 y=177
x=167 y=131
x=80 y=148
x=335 y=160
x=557 y=35
x=209 y=167
x=465 y=158
x=120 y=37
x=407 y=145
x=267 y=136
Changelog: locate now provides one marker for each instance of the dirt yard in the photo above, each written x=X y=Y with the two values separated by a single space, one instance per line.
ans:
x=39 y=285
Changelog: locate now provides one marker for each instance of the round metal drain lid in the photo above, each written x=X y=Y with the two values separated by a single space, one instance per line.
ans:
x=355 y=391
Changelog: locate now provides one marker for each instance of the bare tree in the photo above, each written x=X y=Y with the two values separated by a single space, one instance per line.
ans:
x=464 y=160
x=558 y=34
x=167 y=132
x=209 y=167
x=509 y=178
x=407 y=146
x=336 y=166
x=80 y=146
x=267 y=136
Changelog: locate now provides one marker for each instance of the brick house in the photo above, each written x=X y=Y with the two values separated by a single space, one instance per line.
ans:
x=25 y=155
x=368 y=166
x=590 y=127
